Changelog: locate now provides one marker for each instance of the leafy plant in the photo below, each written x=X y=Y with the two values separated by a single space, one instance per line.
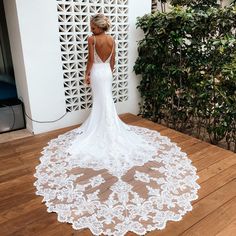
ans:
x=196 y=4
x=187 y=60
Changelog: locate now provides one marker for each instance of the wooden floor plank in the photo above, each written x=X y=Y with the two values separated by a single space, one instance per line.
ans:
x=223 y=215
x=216 y=168
x=19 y=223
x=229 y=230
x=215 y=182
x=13 y=173
x=14 y=212
x=203 y=153
x=212 y=159
x=15 y=186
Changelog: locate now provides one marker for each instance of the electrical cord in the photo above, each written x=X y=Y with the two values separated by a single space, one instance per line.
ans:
x=37 y=121
x=42 y=122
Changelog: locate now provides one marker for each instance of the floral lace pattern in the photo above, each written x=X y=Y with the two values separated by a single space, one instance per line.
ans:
x=137 y=194
x=118 y=153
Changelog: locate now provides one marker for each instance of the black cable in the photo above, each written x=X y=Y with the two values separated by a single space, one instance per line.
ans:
x=42 y=122
x=49 y=121
x=14 y=117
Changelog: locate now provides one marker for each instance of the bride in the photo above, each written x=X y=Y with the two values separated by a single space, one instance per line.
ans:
x=106 y=175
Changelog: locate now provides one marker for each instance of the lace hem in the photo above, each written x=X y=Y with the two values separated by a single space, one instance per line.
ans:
x=142 y=197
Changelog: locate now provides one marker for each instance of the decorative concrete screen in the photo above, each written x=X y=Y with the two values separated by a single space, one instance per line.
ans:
x=74 y=28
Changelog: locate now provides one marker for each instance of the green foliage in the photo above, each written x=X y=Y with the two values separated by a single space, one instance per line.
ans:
x=233 y=2
x=196 y=4
x=187 y=60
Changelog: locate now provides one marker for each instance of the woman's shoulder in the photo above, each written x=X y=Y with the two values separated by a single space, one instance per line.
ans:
x=90 y=39
x=112 y=37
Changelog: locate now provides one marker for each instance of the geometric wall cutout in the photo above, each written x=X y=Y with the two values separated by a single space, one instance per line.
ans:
x=74 y=28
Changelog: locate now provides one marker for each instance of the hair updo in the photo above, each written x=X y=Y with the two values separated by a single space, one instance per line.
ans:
x=101 y=21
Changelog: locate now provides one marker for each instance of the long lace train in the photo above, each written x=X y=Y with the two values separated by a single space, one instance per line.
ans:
x=143 y=198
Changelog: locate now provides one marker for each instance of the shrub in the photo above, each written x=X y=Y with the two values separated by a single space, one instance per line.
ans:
x=187 y=60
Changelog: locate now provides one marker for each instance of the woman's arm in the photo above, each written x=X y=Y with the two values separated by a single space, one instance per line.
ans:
x=113 y=57
x=90 y=59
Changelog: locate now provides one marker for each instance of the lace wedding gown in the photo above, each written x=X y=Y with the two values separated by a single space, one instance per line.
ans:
x=112 y=177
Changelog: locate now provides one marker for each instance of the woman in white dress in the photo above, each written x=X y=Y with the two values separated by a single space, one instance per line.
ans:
x=106 y=175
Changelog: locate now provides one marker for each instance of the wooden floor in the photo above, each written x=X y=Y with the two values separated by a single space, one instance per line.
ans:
x=13 y=135
x=22 y=213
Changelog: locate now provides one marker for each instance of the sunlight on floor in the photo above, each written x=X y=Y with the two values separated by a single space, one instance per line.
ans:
x=9 y=136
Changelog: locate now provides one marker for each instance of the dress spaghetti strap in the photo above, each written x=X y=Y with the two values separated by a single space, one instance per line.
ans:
x=94 y=40
x=113 y=44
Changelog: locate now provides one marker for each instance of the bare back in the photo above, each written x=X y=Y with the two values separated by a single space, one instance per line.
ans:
x=103 y=46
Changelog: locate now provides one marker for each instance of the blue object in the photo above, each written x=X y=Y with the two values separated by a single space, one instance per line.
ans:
x=7 y=91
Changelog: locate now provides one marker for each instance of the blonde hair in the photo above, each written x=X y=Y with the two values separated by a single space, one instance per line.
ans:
x=101 y=21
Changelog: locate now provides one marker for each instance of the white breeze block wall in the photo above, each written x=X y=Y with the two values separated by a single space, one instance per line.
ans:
x=49 y=46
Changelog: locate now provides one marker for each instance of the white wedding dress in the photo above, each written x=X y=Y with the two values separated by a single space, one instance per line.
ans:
x=112 y=177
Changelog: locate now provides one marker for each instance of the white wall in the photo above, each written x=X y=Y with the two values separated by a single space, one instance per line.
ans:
x=34 y=39
x=136 y=8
